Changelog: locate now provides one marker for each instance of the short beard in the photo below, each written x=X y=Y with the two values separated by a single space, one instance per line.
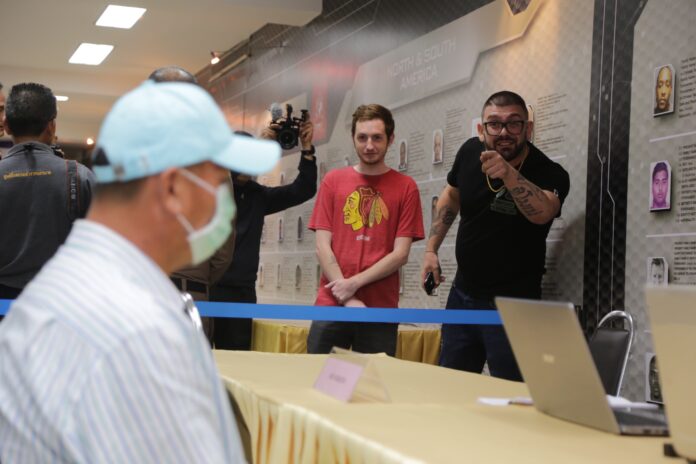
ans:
x=372 y=162
x=519 y=148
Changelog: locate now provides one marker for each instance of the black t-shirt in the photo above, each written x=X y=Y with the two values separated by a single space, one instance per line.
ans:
x=500 y=252
x=254 y=202
x=36 y=208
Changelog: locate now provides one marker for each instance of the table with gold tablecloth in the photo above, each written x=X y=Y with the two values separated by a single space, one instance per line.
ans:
x=414 y=343
x=433 y=417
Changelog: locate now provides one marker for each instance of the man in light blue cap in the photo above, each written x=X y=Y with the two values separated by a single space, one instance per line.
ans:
x=99 y=360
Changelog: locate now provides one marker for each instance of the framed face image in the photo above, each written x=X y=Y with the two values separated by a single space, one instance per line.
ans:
x=658 y=271
x=438 y=154
x=474 y=126
x=401 y=280
x=298 y=276
x=300 y=229
x=663 y=77
x=433 y=209
x=403 y=156
x=660 y=185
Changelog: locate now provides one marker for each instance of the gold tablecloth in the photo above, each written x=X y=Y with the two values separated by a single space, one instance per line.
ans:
x=414 y=343
x=433 y=417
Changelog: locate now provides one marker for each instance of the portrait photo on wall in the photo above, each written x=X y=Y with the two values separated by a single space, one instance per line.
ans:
x=660 y=185
x=664 y=79
x=401 y=280
x=530 y=119
x=474 y=126
x=658 y=271
x=438 y=156
x=298 y=276
x=403 y=155
x=433 y=209
x=653 y=392
x=300 y=229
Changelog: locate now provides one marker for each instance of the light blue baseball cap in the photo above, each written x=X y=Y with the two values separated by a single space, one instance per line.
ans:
x=172 y=124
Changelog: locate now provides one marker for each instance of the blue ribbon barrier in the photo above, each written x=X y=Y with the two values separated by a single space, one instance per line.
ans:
x=338 y=313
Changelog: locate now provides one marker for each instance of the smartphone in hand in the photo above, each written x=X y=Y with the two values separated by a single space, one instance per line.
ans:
x=429 y=283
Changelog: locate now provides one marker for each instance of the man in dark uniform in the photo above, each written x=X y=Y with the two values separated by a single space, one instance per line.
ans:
x=508 y=193
x=41 y=194
x=254 y=201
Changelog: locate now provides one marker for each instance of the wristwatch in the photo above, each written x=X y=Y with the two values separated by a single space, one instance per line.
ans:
x=309 y=152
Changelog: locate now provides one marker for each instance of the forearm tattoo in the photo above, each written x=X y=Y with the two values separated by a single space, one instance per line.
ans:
x=445 y=218
x=528 y=197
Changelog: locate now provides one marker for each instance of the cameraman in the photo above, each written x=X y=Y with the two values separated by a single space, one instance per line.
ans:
x=41 y=194
x=254 y=202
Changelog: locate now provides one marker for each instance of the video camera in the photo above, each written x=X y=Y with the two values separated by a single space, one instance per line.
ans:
x=289 y=133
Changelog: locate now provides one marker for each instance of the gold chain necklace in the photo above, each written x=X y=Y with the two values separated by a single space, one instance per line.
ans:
x=488 y=180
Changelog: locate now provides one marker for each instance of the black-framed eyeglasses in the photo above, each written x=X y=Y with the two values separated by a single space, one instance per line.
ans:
x=496 y=127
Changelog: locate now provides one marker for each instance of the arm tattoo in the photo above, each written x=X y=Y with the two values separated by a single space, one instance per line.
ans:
x=441 y=224
x=523 y=193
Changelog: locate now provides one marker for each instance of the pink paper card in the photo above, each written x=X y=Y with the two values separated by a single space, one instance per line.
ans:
x=338 y=378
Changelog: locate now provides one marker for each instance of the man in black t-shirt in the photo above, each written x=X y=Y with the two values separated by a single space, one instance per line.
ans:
x=508 y=193
x=255 y=201
x=41 y=194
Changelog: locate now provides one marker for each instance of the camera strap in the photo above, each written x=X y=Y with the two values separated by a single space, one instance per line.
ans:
x=73 y=181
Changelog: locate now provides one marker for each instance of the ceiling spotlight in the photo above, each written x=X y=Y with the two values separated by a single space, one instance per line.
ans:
x=215 y=58
x=62 y=98
x=90 y=141
x=122 y=17
x=92 y=54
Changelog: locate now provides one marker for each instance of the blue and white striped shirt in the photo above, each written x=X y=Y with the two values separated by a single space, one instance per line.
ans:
x=99 y=363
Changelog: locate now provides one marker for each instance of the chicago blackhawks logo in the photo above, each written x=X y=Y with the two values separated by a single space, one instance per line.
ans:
x=364 y=208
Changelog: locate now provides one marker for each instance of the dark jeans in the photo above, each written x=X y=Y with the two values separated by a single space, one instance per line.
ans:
x=232 y=333
x=467 y=347
x=362 y=337
x=8 y=293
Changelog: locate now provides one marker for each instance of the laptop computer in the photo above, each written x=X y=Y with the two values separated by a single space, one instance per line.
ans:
x=672 y=312
x=558 y=368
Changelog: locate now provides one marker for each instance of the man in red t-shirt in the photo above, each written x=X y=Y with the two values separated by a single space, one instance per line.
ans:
x=365 y=219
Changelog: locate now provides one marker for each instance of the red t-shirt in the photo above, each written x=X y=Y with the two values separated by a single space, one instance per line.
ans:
x=365 y=214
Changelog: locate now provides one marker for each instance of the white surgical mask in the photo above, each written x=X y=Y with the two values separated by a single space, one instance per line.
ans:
x=206 y=240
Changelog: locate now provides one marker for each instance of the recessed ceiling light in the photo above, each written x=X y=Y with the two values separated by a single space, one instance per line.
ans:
x=90 y=141
x=92 y=54
x=62 y=98
x=122 y=17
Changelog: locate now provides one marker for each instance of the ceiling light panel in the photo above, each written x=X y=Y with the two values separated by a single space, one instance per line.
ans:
x=92 y=54
x=122 y=17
